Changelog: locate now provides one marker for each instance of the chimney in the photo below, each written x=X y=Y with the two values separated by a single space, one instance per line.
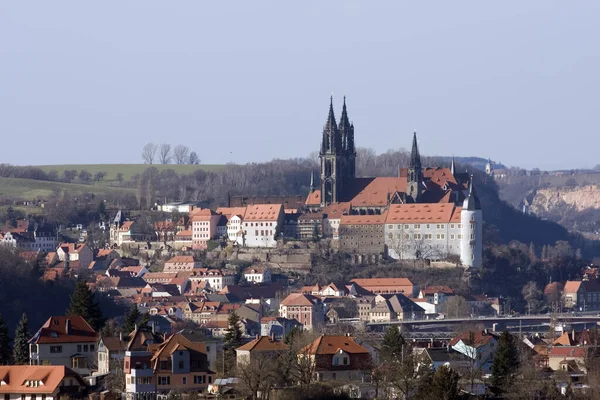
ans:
x=68 y=327
x=257 y=336
x=273 y=336
x=573 y=335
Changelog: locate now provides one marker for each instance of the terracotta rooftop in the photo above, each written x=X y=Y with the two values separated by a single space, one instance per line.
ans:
x=478 y=339
x=16 y=378
x=423 y=213
x=369 y=282
x=263 y=212
x=363 y=219
x=231 y=211
x=264 y=343
x=314 y=198
x=181 y=260
x=299 y=299
x=331 y=344
x=572 y=286
x=54 y=330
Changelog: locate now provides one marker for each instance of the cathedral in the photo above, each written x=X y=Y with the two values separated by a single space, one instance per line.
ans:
x=433 y=211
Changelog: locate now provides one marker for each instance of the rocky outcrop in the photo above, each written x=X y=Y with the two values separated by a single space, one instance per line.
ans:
x=555 y=200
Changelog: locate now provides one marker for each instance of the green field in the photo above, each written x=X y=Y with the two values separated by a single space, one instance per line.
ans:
x=29 y=189
x=128 y=170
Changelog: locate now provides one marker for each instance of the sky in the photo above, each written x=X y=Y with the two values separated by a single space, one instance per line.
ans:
x=249 y=81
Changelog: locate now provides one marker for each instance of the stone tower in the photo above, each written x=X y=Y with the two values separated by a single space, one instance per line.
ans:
x=337 y=155
x=414 y=180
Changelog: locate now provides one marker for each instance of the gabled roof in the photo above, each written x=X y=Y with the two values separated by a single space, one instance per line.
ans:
x=54 y=330
x=572 y=286
x=299 y=299
x=314 y=198
x=264 y=343
x=14 y=378
x=567 y=351
x=176 y=342
x=114 y=344
x=478 y=339
x=331 y=344
x=181 y=260
x=141 y=338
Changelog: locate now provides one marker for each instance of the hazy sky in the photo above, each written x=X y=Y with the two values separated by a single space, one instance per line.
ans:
x=91 y=82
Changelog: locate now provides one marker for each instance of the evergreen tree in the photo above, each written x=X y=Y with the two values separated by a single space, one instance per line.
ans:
x=445 y=384
x=21 y=347
x=233 y=335
x=4 y=343
x=145 y=320
x=83 y=304
x=131 y=318
x=506 y=362
x=532 y=255
x=393 y=343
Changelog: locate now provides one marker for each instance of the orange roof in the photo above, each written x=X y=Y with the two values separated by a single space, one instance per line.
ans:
x=423 y=213
x=126 y=226
x=175 y=343
x=378 y=190
x=202 y=214
x=299 y=299
x=72 y=247
x=326 y=344
x=363 y=219
x=231 y=211
x=553 y=287
x=264 y=343
x=572 y=286
x=263 y=212
x=479 y=339
x=104 y=252
x=314 y=198
x=54 y=330
x=15 y=378
x=184 y=233
x=335 y=211
x=368 y=282
x=567 y=351
x=438 y=289
x=564 y=340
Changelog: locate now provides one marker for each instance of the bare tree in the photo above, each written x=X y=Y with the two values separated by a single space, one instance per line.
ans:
x=181 y=154
x=149 y=152
x=164 y=153
x=258 y=375
x=194 y=158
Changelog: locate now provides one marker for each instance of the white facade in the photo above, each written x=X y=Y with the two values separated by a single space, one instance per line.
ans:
x=258 y=275
x=30 y=241
x=472 y=244
x=234 y=229
x=428 y=241
x=260 y=233
x=80 y=357
x=216 y=279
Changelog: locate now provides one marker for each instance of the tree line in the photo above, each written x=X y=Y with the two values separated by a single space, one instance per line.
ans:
x=164 y=154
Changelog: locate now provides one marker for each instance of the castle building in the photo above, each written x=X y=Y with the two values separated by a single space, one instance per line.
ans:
x=422 y=213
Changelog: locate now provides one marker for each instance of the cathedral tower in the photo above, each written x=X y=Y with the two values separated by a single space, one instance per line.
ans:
x=337 y=155
x=414 y=181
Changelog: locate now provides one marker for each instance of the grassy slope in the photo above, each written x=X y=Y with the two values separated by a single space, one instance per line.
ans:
x=128 y=170
x=31 y=189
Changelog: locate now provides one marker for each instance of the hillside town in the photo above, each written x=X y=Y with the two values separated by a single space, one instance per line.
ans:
x=218 y=302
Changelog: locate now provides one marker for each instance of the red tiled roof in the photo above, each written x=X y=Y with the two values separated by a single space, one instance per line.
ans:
x=14 y=378
x=479 y=339
x=567 y=351
x=54 y=330
x=331 y=344
x=423 y=213
x=369 y=282
x=572 y=286
x=299 y=299
x=264 y=343
x=263 y=212
x=314 y=198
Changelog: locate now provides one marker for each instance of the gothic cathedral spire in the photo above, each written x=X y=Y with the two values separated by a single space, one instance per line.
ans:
x=414 y=185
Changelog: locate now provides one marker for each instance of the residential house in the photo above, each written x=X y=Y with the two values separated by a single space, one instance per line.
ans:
x=265 y=294
x=204 y=227
x=46 y=382
x=68 y=341
x=262 y=225
x=436 y=294
x=176 y=364
x=567 y=358
x=217 y=278
x=310 y=226
x=278 y=327
x=305 y=308
x=111 y=352
x=235 y=217
x=582 y=295
x=168 y=229
x=387 y=286
x=184 y=240
x=394 y=307
x=445 y=356
x=104 y=257
x=257 y=274
x=338 y=358
x=182 y=263
x=263 y=346
x=75 y=255
x=479 y=347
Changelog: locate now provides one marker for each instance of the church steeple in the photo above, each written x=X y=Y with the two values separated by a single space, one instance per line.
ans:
x=415 y=173
x=330 y=132
x=452 y=166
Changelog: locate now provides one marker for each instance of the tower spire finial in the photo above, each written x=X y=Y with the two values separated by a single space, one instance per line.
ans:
x=452 y=165
x=312 y=181
x=415 y=157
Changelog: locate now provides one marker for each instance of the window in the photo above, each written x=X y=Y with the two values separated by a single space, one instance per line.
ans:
x=79 y=348
x=55 y=349
x=390 y=226
x=345 y=361
x=451 y=226
x=405 y=226
x=85 y=348
x=417 y=226
x=184 y=380
x=181 y=364
x=209 y=379
x=164 y=380
x=336 y=361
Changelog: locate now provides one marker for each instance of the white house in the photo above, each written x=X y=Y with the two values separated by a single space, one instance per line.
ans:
x=257 y=274
x=216 y=278
x=478 y=346
x=262 y=224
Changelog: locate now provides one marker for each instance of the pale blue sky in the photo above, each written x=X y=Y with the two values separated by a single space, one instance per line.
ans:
x=91 y=82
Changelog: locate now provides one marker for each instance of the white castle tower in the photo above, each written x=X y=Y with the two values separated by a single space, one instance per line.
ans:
x=471 y=244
